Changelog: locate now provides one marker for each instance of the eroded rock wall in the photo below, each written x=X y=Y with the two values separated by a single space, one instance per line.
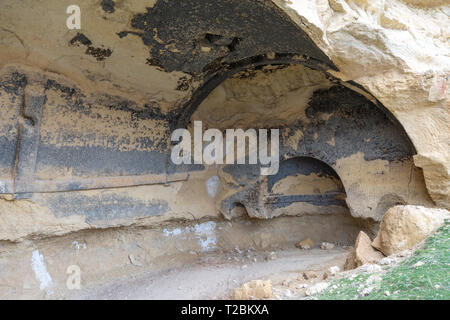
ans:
x=92 y=110
x=323 y=120
x=398 y=51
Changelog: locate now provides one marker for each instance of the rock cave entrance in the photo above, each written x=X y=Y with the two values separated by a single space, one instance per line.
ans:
x=345 y=159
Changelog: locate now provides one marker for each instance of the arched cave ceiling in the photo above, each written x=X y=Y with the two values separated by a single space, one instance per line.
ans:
x=171 y=52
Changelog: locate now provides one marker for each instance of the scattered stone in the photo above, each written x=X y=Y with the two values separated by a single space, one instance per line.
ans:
x=305 y=244
x=365 y=291
x=317 y=288
x=326 y=246
x=308 y=275
x=437 y=286
x=402 y=227
x=134 y=261
x=271 y=256
x=255 y=289
x=404 y=253
x=418 y=264
x=288 y=293
x=363 y=253
x=334 y=270
x=370 y=268
x=294 y=285
x=387 y=293
x=387 y=261
x=325 y=276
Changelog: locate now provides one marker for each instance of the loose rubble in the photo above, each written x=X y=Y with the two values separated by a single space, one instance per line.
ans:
x=326 y=246
x=317 y=288
x=256 y=289
x=307 y=275
x=305 y=244
x=363 y=253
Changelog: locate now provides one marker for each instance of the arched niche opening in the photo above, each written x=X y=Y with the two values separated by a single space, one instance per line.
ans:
x=321 y=118
x=306 y=185
x=305 y=199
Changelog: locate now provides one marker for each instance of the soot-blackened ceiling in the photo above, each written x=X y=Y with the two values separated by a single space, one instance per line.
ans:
x=200 y=37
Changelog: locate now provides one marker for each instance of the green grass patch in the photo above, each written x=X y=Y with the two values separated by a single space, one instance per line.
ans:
x=429 y=281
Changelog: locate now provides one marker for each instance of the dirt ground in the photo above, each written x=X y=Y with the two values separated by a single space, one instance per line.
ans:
x=215 y=276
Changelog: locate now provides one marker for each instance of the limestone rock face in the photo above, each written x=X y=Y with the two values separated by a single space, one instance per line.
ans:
x=22 y=219
x=363 y=253
x=402 y=227
x=398 y=52
x=255 y=289
x=127 y=83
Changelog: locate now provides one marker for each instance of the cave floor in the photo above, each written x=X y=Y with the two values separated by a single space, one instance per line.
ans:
x=214 y=276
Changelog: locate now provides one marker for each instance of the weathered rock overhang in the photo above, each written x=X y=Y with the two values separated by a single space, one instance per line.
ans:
x=106 y=159
x=328 y=126
x=87 y=115
x=212 y=40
